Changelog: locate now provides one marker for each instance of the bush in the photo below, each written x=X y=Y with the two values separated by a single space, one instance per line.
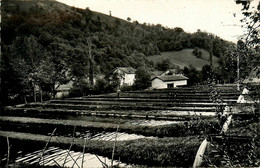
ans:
x=197 y=52
x=126 y=88
x=101 y=87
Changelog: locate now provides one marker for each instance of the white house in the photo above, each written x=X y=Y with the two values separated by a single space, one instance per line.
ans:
x=168 y=81
x=126 y=75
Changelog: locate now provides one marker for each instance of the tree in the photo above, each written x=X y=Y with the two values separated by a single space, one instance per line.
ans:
x=27 y=58
x=11 y=90
x=197 y=52
x=164 y=64
x=142 y=78
x=207 y=73
x=228 y=65
x=252 y=23
x=178 y=46
x=101 y=87
x=114 y=82
x=192 y=74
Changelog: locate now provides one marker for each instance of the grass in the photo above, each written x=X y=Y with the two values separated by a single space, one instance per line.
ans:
x=185 y=58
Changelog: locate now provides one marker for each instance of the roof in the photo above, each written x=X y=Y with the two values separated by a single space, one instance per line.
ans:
x=127 y=70
x=171 y=77
x=156 y=73
x=66 y=86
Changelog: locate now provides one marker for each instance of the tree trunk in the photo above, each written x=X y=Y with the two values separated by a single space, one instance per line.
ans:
x=91 y=65
x=24 y=97
x=53 y=91
x=41 y=94
x=34 y=94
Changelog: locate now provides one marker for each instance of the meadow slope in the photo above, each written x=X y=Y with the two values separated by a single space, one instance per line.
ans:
x=185 y=58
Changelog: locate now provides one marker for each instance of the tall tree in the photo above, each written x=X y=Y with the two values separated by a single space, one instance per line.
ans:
x=91 y=63
x=142 y=78
x=252 y=23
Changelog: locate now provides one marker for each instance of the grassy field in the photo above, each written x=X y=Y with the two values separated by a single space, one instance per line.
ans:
x=185 y=58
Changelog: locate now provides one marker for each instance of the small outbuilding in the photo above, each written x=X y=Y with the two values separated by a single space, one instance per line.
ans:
x=168 y=81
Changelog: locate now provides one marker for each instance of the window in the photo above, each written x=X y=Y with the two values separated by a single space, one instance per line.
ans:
x=170 y=85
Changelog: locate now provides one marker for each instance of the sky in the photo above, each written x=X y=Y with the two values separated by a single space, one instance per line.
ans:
x=219 y=17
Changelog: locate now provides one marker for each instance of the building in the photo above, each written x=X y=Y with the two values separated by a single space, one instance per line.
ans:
x=156 y=73
x=168 y=81
x=162 y=73
x=126 y=75
x=63 y=90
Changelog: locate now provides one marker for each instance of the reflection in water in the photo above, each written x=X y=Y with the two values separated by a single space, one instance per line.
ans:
x=56 y=156
x=152 y=122
x=141 y=122
x=104 y=136
x=121 y=136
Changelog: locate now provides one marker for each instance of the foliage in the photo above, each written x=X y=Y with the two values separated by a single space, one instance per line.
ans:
x=114 y=81
x=164 y=64
x=247 y=49
x=251 y=22
x=50 y=39
x=197 y=52
x=102 y=86
x=193 y=75
x=142 y=78
x=207 y=73
x=81 y=88
x=185 y=58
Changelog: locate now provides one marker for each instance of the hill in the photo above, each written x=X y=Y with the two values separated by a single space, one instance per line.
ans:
x=116 y=42
x=46 y=43
x=185 y=58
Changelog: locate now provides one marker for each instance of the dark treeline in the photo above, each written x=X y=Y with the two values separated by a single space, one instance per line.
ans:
x=47 y=43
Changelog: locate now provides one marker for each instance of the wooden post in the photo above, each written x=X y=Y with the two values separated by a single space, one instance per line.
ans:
x=238 y=87
x=85 y=140
x=113 y=152
x=8 y=151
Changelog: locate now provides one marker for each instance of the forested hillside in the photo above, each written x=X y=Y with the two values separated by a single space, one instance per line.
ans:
x=115 y=42
x=46 y=43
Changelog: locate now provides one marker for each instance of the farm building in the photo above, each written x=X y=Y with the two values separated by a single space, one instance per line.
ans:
x=156 y=73
x=126 y=75
x=168 y=81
